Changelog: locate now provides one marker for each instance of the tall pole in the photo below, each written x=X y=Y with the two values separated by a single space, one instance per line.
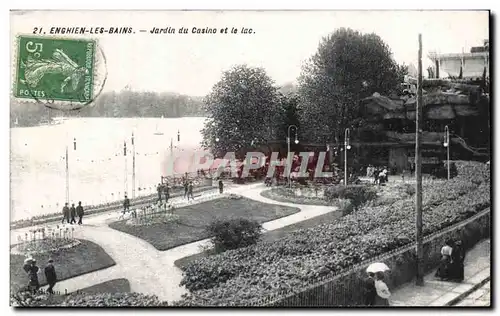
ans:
x=448 y=145
x=125 y=175
x=418 y=170
x=133 y=166
x=346 y=144
x=67 y=175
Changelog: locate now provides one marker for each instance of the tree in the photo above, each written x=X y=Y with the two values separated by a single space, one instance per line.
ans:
x=347 y=67
x=241 y=109
x=289 y=113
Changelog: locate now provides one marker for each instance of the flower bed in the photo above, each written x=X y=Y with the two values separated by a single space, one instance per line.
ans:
x=238 y=276
x=26 y=299
x=44 y=245
x=69 y=262
x=286 y=195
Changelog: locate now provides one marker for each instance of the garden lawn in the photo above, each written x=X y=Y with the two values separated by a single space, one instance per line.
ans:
x=273 y=235
x=284 y=195
x=195 y=218
x=84 y=258
x=112 y=286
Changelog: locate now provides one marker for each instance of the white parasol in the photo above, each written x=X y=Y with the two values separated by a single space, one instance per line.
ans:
x=377 y=267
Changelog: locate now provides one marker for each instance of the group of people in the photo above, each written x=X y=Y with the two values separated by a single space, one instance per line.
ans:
x=380 y=174
x=376 y=291
x=163 y=189
x=451 y=267
x=32 y=270
x=72 y=212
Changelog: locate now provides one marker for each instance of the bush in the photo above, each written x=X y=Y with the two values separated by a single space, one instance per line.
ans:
x=357 y=194
x=234 y=233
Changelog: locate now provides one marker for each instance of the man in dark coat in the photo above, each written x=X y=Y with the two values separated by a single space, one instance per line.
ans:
x=65 y=213
x=370 y=292
x=221 y=186
x=166 y=191
x=51 y=276
x=126 y=204
x=79 y=212
x=186 y=189
x=72 y=211
x=159 y=190
x=190 y=190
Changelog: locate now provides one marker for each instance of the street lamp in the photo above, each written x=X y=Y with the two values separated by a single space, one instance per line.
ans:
x=447 y=144
x=288 y=143
x=347 y=146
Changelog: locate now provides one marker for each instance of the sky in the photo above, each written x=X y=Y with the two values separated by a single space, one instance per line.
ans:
x=281 y=41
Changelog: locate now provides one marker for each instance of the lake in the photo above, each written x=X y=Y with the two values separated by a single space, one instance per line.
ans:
x=98 y=169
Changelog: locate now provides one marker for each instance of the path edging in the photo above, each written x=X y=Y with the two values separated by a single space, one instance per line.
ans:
x=461 y=296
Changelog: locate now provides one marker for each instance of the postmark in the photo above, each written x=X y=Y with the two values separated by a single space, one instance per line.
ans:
x=61 y=73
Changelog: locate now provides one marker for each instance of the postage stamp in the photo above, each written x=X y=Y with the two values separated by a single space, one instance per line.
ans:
x=60 y=72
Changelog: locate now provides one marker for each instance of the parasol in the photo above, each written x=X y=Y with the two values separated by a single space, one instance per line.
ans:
x=377 y=267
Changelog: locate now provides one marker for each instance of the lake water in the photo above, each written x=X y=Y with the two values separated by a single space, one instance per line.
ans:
x=98 y=170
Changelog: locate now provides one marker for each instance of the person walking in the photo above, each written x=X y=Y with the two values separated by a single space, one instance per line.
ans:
x=221 y=186
x=159 y=189
x=126 y=205
x=443 y=271
x=383 y=293
x=79 y=212
x=166 y=191
x=457 y=262
x=51 y=276
x=33 y=270
x=65 y=213
x=190 y=191
x=72 y=211
x=186 y=188
x=370 y=291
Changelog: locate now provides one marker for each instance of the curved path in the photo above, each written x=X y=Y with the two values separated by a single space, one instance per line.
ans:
x=149 y=270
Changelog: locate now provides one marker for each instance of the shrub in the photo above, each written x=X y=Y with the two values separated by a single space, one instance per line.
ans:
x=357 y=194
x=25 y=299
x=234 y=233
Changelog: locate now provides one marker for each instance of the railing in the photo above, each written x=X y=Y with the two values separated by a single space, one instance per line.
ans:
x=345 y=288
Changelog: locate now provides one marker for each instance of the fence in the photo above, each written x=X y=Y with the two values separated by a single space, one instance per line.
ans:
x=142 y=216
x=345 y=288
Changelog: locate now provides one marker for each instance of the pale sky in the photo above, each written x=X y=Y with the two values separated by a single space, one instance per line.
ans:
x=191 y=64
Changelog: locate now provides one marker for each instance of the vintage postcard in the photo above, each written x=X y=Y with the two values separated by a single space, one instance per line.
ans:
x=250 y=158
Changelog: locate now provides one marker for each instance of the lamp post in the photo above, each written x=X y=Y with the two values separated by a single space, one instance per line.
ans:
x=447 y=144
x=125 y=175
x=288 y=143
x=346 y=147
x=133 y=166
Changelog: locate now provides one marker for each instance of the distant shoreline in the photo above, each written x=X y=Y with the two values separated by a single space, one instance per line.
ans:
x=13 y=125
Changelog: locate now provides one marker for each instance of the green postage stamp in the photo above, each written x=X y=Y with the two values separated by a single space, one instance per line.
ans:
x=57 y=71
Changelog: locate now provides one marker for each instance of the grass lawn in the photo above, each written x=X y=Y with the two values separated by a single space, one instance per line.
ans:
x=274 y=234
x=283 y=195
x=81 y=259
x=112 y=286
x=194 y=219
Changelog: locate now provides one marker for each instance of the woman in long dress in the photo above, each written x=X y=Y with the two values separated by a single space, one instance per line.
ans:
x=443 y=271
x=383 y=293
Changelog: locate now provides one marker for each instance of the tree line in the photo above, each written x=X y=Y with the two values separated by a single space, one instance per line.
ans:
x=125 y=103
x=246 y=108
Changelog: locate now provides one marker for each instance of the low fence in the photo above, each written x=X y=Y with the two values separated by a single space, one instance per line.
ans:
x=345 y=289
